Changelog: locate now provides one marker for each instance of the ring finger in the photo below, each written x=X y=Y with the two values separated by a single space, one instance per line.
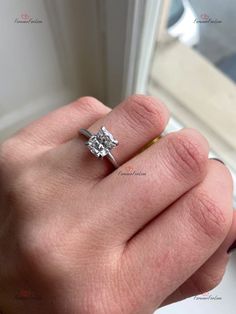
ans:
x=133 y=123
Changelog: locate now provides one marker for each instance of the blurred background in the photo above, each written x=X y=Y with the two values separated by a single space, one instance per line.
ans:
x=218 y=44
x=194 y=70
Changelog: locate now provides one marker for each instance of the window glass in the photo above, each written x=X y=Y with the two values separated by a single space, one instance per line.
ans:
x=194 y=71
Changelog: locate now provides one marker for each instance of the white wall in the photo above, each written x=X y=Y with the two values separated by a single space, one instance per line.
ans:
x=94 y=47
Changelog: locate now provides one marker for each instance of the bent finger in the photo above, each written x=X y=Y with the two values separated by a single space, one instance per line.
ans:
x=176 y=244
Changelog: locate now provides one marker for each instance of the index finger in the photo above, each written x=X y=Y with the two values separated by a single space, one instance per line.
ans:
x=61 y=125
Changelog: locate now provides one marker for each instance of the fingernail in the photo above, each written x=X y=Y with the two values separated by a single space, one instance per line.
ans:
x=232 y=248
x=217 y=159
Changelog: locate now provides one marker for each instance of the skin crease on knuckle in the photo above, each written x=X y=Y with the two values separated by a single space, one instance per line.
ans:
x=186 y=157
x=209 y=217
x=90 y=104
x=143 y=112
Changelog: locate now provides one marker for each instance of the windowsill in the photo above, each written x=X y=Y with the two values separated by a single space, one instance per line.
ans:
x=197 y=94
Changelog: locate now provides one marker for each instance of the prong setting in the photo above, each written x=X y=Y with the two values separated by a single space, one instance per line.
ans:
x=102 y=143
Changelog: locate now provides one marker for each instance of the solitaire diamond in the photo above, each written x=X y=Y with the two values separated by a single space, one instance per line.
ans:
x=100 y=144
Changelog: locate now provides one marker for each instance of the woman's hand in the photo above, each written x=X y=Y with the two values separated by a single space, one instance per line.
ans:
x=77 y=236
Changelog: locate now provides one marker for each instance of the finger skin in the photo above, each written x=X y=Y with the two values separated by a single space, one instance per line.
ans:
x=57 y=238
x=45 y=134
x=173 y=166
x=178 y=242
x=64 y=123
x=134 y=122
x=210 y=274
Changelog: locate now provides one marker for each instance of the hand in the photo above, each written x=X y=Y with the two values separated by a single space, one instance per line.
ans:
x=77 y=236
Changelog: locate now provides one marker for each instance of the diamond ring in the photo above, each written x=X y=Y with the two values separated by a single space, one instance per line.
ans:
x=101 y=144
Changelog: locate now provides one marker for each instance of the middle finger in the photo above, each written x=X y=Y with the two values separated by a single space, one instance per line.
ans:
x=147 y=184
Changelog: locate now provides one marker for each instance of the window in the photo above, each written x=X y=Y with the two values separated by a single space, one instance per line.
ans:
x=194 y=71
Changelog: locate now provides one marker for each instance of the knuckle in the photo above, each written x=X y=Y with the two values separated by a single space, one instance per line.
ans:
x=223 y=172
x=20 y=193
x=9 y=153
x=27 y=181
x=5 y=150
x=88 y=100
x=37 y=246
x=207 y=215
x=207 y=281
x=212 y=281
x=34 y=191
x=186 y=156
x=145 y=112
x=90 y=104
